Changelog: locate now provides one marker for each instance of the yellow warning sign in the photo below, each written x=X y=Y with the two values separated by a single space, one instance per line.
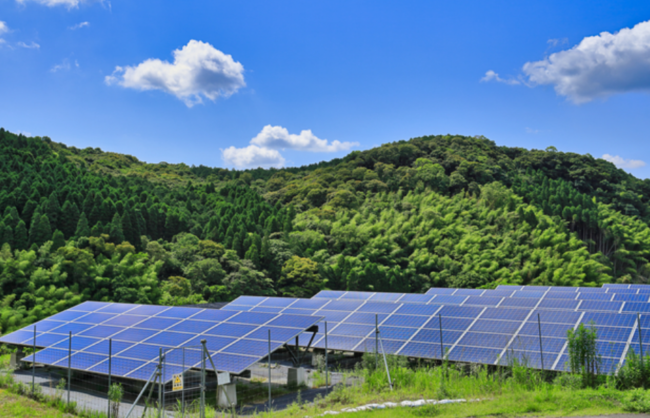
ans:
x=177 y=380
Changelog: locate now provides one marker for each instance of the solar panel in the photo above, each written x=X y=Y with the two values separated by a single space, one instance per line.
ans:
x=440 y=291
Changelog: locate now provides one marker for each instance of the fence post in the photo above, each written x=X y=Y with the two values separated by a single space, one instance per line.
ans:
x=442 y=347
x=34 y=364
x=203 y=351
x=638 y=318
x=110 y=354
x=326 y=362
x=376 y=341
x=541 y=351
x=160 y=388
x=69 y=362
x=270 y=396
x=183 y=391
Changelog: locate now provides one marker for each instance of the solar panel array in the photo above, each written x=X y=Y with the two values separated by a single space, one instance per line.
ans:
x=478 y=326
x=235 y=340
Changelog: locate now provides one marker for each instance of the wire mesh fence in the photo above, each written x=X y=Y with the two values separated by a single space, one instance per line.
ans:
x=185 y=382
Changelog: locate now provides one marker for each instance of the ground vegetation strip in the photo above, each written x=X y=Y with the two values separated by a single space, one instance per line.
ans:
x=448 y=211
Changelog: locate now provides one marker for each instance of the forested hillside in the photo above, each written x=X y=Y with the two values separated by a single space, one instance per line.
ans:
x=433 y=211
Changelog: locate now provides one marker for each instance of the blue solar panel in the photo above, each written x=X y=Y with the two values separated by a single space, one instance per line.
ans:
x=78 y=343
x=45 y=339
x=365 y=318
x=476 y=339
x=378 y=307
x=505 y=314
x=188 y=356
x=195 y=327
x=624 y=291
x=329 y=294
x=595 y=296
x=567 y=304
x=70 y=327
x=148 y=310
x=423 y=350
x=67 y=316
x=386 y=297
x=356 y=295
x=231 y=362
x=142 y=352
x=410 y=298
x=248 y=300
x=597 y=305
x=609 y=319
x=298 y=311
x=591 y=289
x=43 y=326
x=396 y=333
x=561 y=295
x=309 y=304
x=266 y=309
x=440 y=291
x=339 y=343
x=542 y=288
x=89 y=306
x=518 y=303
x=459 y=324
x=405 y=321
x=157 y=323
x=95 y=318
x=557 y=317
x=461 y=311
x=294 y=321
x=231 y=330
x=102 y=331
x=134 y=335
x=278 y=302
x=448 y=300
x=277 y=334
x=81 y=361
x=116 y=308
x=469 y=292
x=333 y=316
x=492 y=325
x=168 y=338
x=251 y=347
x=483 y=301
x=47 y=356
x=613 y=333
x=388 y=346
x=433 y=336
x=631 y=298
x=610 y=348
x=548 y=330
x=18 y=337
x=213 y=315
x=119 y=366
x=528 y=294
x=251 y=318
x=636 y=307
x=125 y=320
x=504 y=293
x=343 y=305
x=426 y=310
x=211 y=342
x=352 y=330
x=179 y=312
x=474 y=354
x=144 y=372
x=529 y=343
x=102 y=347
x=509 y=287
x=236 y=308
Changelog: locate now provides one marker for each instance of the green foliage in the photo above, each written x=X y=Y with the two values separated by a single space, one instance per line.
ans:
x=637 y=400
x=635 y=373
x=583 y=353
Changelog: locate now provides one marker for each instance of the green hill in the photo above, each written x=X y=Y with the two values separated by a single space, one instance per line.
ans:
x=432 y=211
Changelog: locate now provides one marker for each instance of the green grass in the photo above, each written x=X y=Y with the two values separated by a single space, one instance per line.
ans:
x=16 y=406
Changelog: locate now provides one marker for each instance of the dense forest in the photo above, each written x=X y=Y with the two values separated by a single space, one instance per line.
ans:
x=453 y=211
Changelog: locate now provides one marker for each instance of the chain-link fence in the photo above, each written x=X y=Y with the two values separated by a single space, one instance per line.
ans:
x=294 y=373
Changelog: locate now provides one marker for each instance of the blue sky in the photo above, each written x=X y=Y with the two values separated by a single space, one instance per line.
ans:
x=294 y=82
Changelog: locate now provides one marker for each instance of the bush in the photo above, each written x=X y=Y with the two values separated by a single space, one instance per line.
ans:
x=638 y=400
x=635 y=373
x=583 y=354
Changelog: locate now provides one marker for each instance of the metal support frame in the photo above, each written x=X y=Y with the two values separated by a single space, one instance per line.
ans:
x=110 y=353
x=638 y=318
x=326 y=362
x=34 y=363
x=541 y=351
x=270 y=369
x=203 y=353
x=69 y=363
x=297 y=357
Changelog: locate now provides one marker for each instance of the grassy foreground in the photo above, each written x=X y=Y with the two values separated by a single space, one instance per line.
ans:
x=16 y=406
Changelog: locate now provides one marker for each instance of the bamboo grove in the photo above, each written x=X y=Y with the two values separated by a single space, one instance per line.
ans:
x=432 y=211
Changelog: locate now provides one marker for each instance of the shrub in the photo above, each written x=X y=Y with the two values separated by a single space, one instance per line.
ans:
x=635 y=373
x=637 y=400
x=583 y=354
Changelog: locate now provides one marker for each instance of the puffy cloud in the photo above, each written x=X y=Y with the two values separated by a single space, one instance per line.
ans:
x=64 y=66
x=623 y=163
x=599 y=66
x=3 y=27
x=199 y=71
x=277 y=137
x=70 y=4
x=79 y=26
x=252 y=156
x=492 y=76
x=31 y=45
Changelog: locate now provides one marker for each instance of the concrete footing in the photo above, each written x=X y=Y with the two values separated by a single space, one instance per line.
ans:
x=296 y=376
x=227 y=395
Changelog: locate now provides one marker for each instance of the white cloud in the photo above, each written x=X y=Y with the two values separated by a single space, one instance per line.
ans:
x=31 y=45
x=70 y=4
x=252 y=156
x=492 y=76
x=79 y=26
x=64 y=66
x=3 y=27
x=199 y=71
x=277 y=137
x=599 y=66
x=623 y=163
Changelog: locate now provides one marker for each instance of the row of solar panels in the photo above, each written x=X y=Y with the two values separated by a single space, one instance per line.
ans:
x=235 y=340
x=481 y=334
x=506 y=298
